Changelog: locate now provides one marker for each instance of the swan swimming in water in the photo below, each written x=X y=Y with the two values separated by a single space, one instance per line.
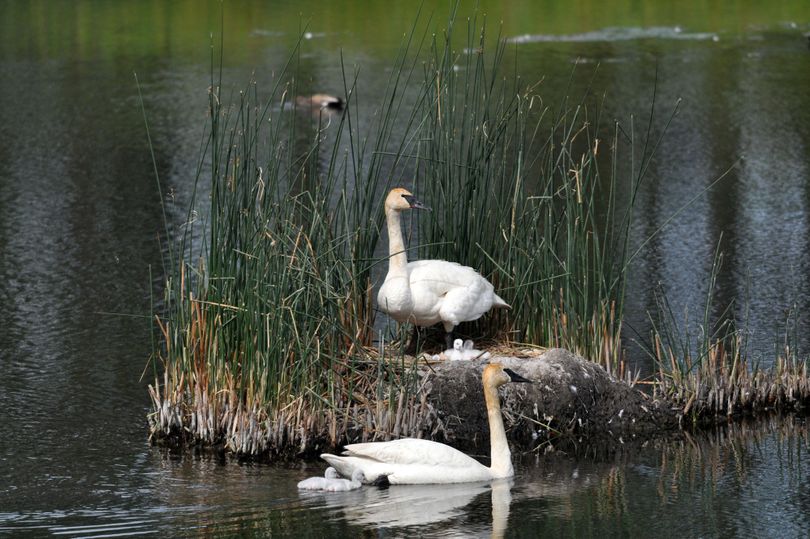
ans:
x=426 y=292
x=332 y=482
x=415 y=461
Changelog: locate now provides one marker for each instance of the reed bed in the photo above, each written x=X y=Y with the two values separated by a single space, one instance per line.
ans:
x=709 y=374
x=269 y=334
x=523 y=199
x=723 y=382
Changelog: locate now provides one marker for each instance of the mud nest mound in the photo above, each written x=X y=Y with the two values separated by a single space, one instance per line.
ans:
x=570 y=399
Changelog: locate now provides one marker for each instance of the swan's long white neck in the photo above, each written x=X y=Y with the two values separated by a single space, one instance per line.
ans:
x=398 y=259
x=501 y=464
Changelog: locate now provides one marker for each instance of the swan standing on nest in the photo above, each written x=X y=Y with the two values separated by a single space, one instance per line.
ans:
x=426 y=292
x=415 y=461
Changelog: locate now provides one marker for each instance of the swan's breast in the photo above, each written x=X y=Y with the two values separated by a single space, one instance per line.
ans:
x=395 y=297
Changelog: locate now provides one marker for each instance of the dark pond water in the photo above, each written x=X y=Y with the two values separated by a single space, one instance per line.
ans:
x=79 y=258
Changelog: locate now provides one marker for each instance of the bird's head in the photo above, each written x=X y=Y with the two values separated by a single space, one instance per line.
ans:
x=496 y=375
x=400 y=199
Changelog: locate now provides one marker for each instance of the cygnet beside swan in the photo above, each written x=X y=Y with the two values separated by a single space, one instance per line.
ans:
x=332 y=482
x=426 y=292
x=414 y=461
x=456 y=353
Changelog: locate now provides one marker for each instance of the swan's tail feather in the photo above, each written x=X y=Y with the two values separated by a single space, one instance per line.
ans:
x=499 y=303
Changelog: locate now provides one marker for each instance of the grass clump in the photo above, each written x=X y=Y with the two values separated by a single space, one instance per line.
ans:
x=706 y=370
x=269 y=318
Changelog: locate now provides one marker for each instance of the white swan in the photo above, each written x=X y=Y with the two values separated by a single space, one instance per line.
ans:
x=414 y=461
x=426 y=292
x=332 y=482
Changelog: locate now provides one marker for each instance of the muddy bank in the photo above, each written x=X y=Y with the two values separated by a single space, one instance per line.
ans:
x=571 y=398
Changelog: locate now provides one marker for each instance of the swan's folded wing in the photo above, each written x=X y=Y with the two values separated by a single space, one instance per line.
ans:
x=441 y=275
x=411 y=451
x=448 y=292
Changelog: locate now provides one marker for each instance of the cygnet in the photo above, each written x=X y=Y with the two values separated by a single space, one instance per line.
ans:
x=463 y=350
x=332 y=482
x=319 y=483
x=457 y=352
x=339 y=485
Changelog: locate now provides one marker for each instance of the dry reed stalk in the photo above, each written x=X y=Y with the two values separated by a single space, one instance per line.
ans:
x=724 y=384
x=189 y=410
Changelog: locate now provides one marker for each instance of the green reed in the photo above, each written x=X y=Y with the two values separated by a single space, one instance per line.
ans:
x=707 y=371
x=269 y=322
x=519 y=194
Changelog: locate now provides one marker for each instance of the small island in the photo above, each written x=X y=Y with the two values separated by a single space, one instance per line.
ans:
x=274 y=345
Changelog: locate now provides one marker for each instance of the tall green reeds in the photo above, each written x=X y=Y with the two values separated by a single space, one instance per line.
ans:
x=520 y=197
x=269 y=325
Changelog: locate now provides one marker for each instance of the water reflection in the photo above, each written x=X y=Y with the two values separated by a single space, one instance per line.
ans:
x=750 y=477
x=617 y=34
x=403 y=506
x=727 y=482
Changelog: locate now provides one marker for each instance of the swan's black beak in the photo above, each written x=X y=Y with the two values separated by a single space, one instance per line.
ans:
x=415 y=204
x=515 y=377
